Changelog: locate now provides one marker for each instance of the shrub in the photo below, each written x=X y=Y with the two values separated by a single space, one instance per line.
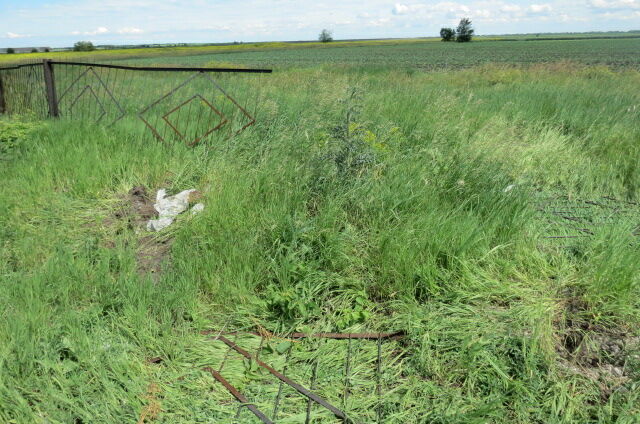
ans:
x=34 y=50
x=448 y=34
x=11 y=50
x=83 y=46
x=325 y=36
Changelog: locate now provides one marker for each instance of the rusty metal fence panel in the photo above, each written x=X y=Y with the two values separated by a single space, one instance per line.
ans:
x=22 y=90
x=186 y=105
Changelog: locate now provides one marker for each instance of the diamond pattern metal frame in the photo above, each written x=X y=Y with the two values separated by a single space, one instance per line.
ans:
x=224 y=119
x=103 y=85
x=95 y=96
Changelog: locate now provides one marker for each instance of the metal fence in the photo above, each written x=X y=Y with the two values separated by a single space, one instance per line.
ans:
x=172 y=103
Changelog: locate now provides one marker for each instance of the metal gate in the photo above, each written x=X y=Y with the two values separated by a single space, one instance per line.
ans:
x=187 y=105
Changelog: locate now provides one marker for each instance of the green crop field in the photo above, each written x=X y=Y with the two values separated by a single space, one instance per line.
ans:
x=481 y=199
x=429 y=54
x=621 y=51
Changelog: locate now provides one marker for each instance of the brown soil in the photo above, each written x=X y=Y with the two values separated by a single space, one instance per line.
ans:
x=153 y=250
x=601 y=354
x=138 y=207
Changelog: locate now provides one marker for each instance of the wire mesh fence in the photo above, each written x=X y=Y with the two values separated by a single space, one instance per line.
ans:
x=174 y=104
x=305 y=378
x=22 y=90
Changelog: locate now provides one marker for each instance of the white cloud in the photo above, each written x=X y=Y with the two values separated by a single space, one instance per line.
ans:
x=14 y=35
x=380 y=22
x=540 y=8
x=482 y=13
x=98 y=31
x=400 y=9
x=130 y=30
x=510 y=8
x=615 y=4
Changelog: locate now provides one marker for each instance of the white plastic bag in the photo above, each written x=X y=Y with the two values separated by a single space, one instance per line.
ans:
x=170 y=207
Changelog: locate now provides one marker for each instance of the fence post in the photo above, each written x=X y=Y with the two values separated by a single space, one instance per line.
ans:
x=50 y=84
x=3 y=104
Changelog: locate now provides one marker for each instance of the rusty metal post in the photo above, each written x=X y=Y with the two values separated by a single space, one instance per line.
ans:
x=3 y=104
x=50 y=84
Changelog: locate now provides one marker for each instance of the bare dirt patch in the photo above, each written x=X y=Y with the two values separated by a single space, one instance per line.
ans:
x=608 y=356
x=153 y=250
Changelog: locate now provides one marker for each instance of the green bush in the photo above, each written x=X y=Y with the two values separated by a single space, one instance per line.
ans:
x=11 y=134
x=83 y=46
x=448 y=34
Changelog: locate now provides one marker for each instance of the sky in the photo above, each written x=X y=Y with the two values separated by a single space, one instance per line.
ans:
x=59 y=23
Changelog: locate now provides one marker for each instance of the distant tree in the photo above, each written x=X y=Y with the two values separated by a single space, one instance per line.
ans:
x=83 y=46
x=34 y=50
x=325 y=36
x=11 y=50
x=448 y=34
x=465 y=31
x=47 y=50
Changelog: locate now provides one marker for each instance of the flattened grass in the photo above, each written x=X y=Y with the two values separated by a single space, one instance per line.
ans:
x=362 y=201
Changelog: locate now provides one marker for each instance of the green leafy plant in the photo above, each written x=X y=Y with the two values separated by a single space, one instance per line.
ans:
x=12 y=132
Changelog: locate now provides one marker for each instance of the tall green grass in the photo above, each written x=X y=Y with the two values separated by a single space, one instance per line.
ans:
x=361 y=201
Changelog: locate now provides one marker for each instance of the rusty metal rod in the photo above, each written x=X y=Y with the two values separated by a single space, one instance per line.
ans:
x=337 y=336
x=314 y=376
x=301 y=389
x=167 y=69
x=279 y=395
x=239 y=396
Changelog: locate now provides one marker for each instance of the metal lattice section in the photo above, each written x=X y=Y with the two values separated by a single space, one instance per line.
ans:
x=22 y=90
x=299 y=382
x=195 y=118
x=210 y=103
x=90 y=98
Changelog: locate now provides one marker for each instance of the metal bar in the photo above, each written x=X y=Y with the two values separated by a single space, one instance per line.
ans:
x=226 y=355
x=347 y=375
x=25 y=65
x=280 y=387
x=49 y=80
x=239 y=396
x=314 y=376
x=170 y=69
x=370 y=336
x=337 y=336
x=337 y=412
x=3 y=104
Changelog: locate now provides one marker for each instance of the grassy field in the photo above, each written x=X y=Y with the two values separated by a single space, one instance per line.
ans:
x=365 y=199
